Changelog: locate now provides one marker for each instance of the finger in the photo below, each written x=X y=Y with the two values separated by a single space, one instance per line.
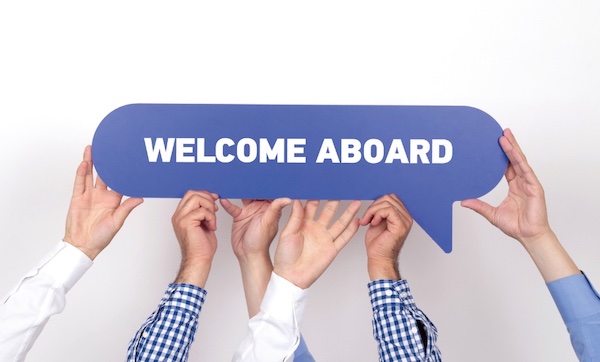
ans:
x=344 y=220
x=370 y=216
x=398 y=204
x=513 y=141
x=100 y=184
x=346 y=235
x=80 y=174
x=396 y=222
x=123 y=211
x=510 y=173
x=310 y=209
x=275 y=209
x=296 y=219
x=87 y=153
x=518 y=161
x=203 y=217
x=482 y=208
x=199 y=199
x=230 y=208
x=403 y=212
x=328 y=212
x=89 y=171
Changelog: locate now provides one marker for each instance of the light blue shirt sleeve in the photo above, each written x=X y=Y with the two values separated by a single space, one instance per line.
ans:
x=302 y=354
x=579 y=306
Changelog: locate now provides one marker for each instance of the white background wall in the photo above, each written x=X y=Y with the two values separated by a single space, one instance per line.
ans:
x=533 y=65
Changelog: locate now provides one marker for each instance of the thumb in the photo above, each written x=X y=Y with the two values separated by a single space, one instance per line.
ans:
x=275 y=209
x=482 y=208
x=125 y=208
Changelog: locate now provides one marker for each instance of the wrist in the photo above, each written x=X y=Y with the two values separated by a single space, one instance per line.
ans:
x=90 y=253
x=551 y=258
x=255 y=258
x=531 y=243
x=383 y=269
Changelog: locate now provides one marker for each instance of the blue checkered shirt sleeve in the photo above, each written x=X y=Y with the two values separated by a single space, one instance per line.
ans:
x=396 y=321
x=169 y=331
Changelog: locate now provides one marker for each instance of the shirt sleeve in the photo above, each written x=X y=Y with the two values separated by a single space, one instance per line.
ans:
x=274 y=333
x=37 y=297
x=396 y=321
x=169 y=331
x=302 y=354
x=579 y=306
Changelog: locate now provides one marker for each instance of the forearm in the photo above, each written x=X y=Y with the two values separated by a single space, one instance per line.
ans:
x=274 y=333
x=256 y=272
x=194 y=272
x=40 y=295
x=550 y=257
x=383 y=269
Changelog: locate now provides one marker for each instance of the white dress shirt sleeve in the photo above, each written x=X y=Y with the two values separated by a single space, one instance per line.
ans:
x=38 y=296
x=274 y=333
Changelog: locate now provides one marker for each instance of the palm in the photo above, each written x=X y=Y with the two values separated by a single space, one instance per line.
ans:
x=522 y=214
x=251 y=233
x=91 y=217
x=312 y=244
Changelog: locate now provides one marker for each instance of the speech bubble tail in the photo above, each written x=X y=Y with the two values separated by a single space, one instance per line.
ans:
x=438 y=225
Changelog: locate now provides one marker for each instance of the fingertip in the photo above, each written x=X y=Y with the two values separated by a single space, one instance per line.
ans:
x=214 y=196
x=87 y=153
x=282 y=201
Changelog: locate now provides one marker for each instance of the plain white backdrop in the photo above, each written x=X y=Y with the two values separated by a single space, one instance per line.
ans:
x=532 y=65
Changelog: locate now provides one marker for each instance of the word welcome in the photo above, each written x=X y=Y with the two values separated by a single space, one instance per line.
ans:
x=292 y=150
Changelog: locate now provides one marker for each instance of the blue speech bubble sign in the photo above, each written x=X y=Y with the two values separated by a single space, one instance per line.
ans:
x=430 y=156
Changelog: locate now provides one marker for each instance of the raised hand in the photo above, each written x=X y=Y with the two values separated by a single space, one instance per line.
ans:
x=389 y=223
x=95 y=213
x=254 y=225
x=254 y=228
x=307 y=246
x=522 y=215
x=195 y=223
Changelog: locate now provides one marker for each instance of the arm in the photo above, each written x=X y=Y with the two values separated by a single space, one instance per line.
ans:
x=254 y=228
x=401 y=329
x=95 y=215
x=522 y=215
x=169 y=331
x=305 y=249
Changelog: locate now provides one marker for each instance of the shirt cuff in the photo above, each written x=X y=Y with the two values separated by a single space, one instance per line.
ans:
x=185 y=296
x=284 y=301
x=390 y=293
x=65 y=264
x=575 y=297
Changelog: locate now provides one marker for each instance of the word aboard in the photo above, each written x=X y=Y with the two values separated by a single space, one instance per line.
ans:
x=292 y=150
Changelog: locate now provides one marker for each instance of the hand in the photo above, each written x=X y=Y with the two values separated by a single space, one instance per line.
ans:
x=389 y=223
x=95 y=214
x=307 y=247
x=254 y=226
x=522 y=215
x=195 y=223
